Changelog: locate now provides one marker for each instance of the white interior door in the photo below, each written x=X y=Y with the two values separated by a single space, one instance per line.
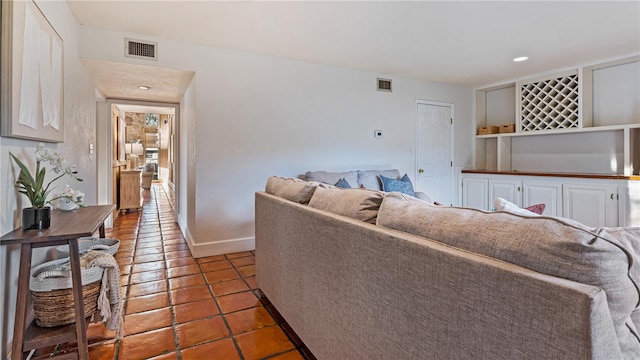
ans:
x=434 y=155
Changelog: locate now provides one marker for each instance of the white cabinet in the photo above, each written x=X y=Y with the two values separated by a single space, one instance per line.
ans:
x=543 y=192
x=592 y=205
x=474 y=193
x=593 y=202
x=510 y=190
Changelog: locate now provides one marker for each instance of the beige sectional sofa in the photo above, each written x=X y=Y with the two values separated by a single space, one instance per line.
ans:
x=361 y=274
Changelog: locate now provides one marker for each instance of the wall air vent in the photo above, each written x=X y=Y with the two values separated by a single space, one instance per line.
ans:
x=140 y=49
x=384 y=84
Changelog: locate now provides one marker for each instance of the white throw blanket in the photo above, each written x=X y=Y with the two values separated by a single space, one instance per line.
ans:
x=110 y=306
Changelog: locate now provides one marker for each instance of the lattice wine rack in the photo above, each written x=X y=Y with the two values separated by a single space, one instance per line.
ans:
x=549 y=104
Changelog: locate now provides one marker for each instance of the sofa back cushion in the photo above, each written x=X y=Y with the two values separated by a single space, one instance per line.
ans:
x=360 y=204
x=332 y=178
x=370 y=179
x=544 y=244
x=295 y=190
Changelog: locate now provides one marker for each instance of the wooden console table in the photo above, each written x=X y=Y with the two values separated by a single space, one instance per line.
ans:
x=66 y=228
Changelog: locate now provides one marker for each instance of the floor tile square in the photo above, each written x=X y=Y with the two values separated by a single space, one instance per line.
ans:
x=239 y=301
x=200 y=331
x=102 y=351
x=221 y=349
x=183 y=270
x=147 y=344
x=149 y=266
x=171 y=263
x=291 y=355
x=181 y=296
x=151 y=287
x=139 y=259
x=221 y=275
x=229 y=287
x=148 y=320
x=146 y=276
x=177 y=254
x=263 y=342
x=251 y=280
x=243 y=261
x=147 y=302
x=187 y=281
x=248 y=320
x=247 y=271
x=215 y=266
x=195 y=310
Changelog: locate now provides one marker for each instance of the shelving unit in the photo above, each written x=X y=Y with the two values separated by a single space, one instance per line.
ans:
x=575 y=101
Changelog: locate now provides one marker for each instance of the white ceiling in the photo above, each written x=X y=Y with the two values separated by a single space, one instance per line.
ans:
x=469 y=43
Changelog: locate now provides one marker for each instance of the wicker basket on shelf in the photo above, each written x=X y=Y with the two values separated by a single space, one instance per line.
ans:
x=52 y=296
x=88 y=243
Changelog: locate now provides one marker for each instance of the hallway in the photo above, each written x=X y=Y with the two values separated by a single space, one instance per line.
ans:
x=179 y=307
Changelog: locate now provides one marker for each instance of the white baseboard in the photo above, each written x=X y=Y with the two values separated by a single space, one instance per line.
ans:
x=220 y=247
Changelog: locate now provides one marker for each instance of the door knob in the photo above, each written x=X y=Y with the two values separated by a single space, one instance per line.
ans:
x=420 y=171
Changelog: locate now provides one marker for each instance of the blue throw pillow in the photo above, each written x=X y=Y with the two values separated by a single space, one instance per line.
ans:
x=403 y=185
x=342 y=183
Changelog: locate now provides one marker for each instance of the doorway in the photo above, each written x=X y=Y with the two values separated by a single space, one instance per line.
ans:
x=434 y=150
x=143 y=135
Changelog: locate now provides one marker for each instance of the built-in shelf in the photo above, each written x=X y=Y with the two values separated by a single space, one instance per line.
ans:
x=601 y=97
x=563 y=131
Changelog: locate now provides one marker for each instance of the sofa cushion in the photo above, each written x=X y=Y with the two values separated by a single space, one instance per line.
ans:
x=505 y=205
x=295 y=190
x=370 y=178
x=402 y=185
x=548 y=245
x=332 y=178
x=360 y=204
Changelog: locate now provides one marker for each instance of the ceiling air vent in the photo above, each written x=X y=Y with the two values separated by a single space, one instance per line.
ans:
x=140 y=49
x=384 y=84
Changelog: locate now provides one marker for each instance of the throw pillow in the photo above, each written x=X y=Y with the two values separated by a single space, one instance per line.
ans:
x=537 y=208
x=295 y=190
x=403 y=185
x=371 y=178
x=343 y=184
x=358 y=204
x=505 y=205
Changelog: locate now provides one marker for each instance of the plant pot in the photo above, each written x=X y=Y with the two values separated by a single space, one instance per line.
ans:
x=36 y=218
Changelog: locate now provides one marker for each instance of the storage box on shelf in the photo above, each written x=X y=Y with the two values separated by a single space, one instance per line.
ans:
x=507 y=128
x=600 y=97
x=488 y=130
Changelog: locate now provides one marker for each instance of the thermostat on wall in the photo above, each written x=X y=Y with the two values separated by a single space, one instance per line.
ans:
x=377 y=133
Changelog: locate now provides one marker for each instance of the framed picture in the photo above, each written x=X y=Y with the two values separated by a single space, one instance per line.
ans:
x=31 y=74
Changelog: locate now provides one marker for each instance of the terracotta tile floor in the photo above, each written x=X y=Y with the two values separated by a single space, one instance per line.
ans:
x=179 y=307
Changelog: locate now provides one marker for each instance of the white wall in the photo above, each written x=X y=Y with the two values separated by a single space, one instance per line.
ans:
x=79 y=117
x=259 y=116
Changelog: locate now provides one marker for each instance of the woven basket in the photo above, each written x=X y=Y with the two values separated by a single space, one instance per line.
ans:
x=88 y=243
x=55 y=308
x=53 y=297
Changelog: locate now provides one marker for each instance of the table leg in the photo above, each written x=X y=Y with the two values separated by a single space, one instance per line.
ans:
x=101 y=231
x=78 y=298
x=19 y=324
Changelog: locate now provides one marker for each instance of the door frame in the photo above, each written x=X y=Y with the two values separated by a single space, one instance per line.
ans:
x=108 y=161
x=454 y=188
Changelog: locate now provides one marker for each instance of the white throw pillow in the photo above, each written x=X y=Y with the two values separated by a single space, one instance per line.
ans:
x=504 y=205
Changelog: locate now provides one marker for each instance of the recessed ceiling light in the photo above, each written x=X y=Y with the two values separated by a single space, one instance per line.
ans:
x=521 y=58
x=144 y=87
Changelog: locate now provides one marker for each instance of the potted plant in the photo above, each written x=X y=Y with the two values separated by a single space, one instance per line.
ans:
x=38 y=216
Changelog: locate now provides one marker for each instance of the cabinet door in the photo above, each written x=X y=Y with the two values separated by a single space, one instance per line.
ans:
x=547 y=193
x=510 y=190
x=592 y=205
x=474 y=193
